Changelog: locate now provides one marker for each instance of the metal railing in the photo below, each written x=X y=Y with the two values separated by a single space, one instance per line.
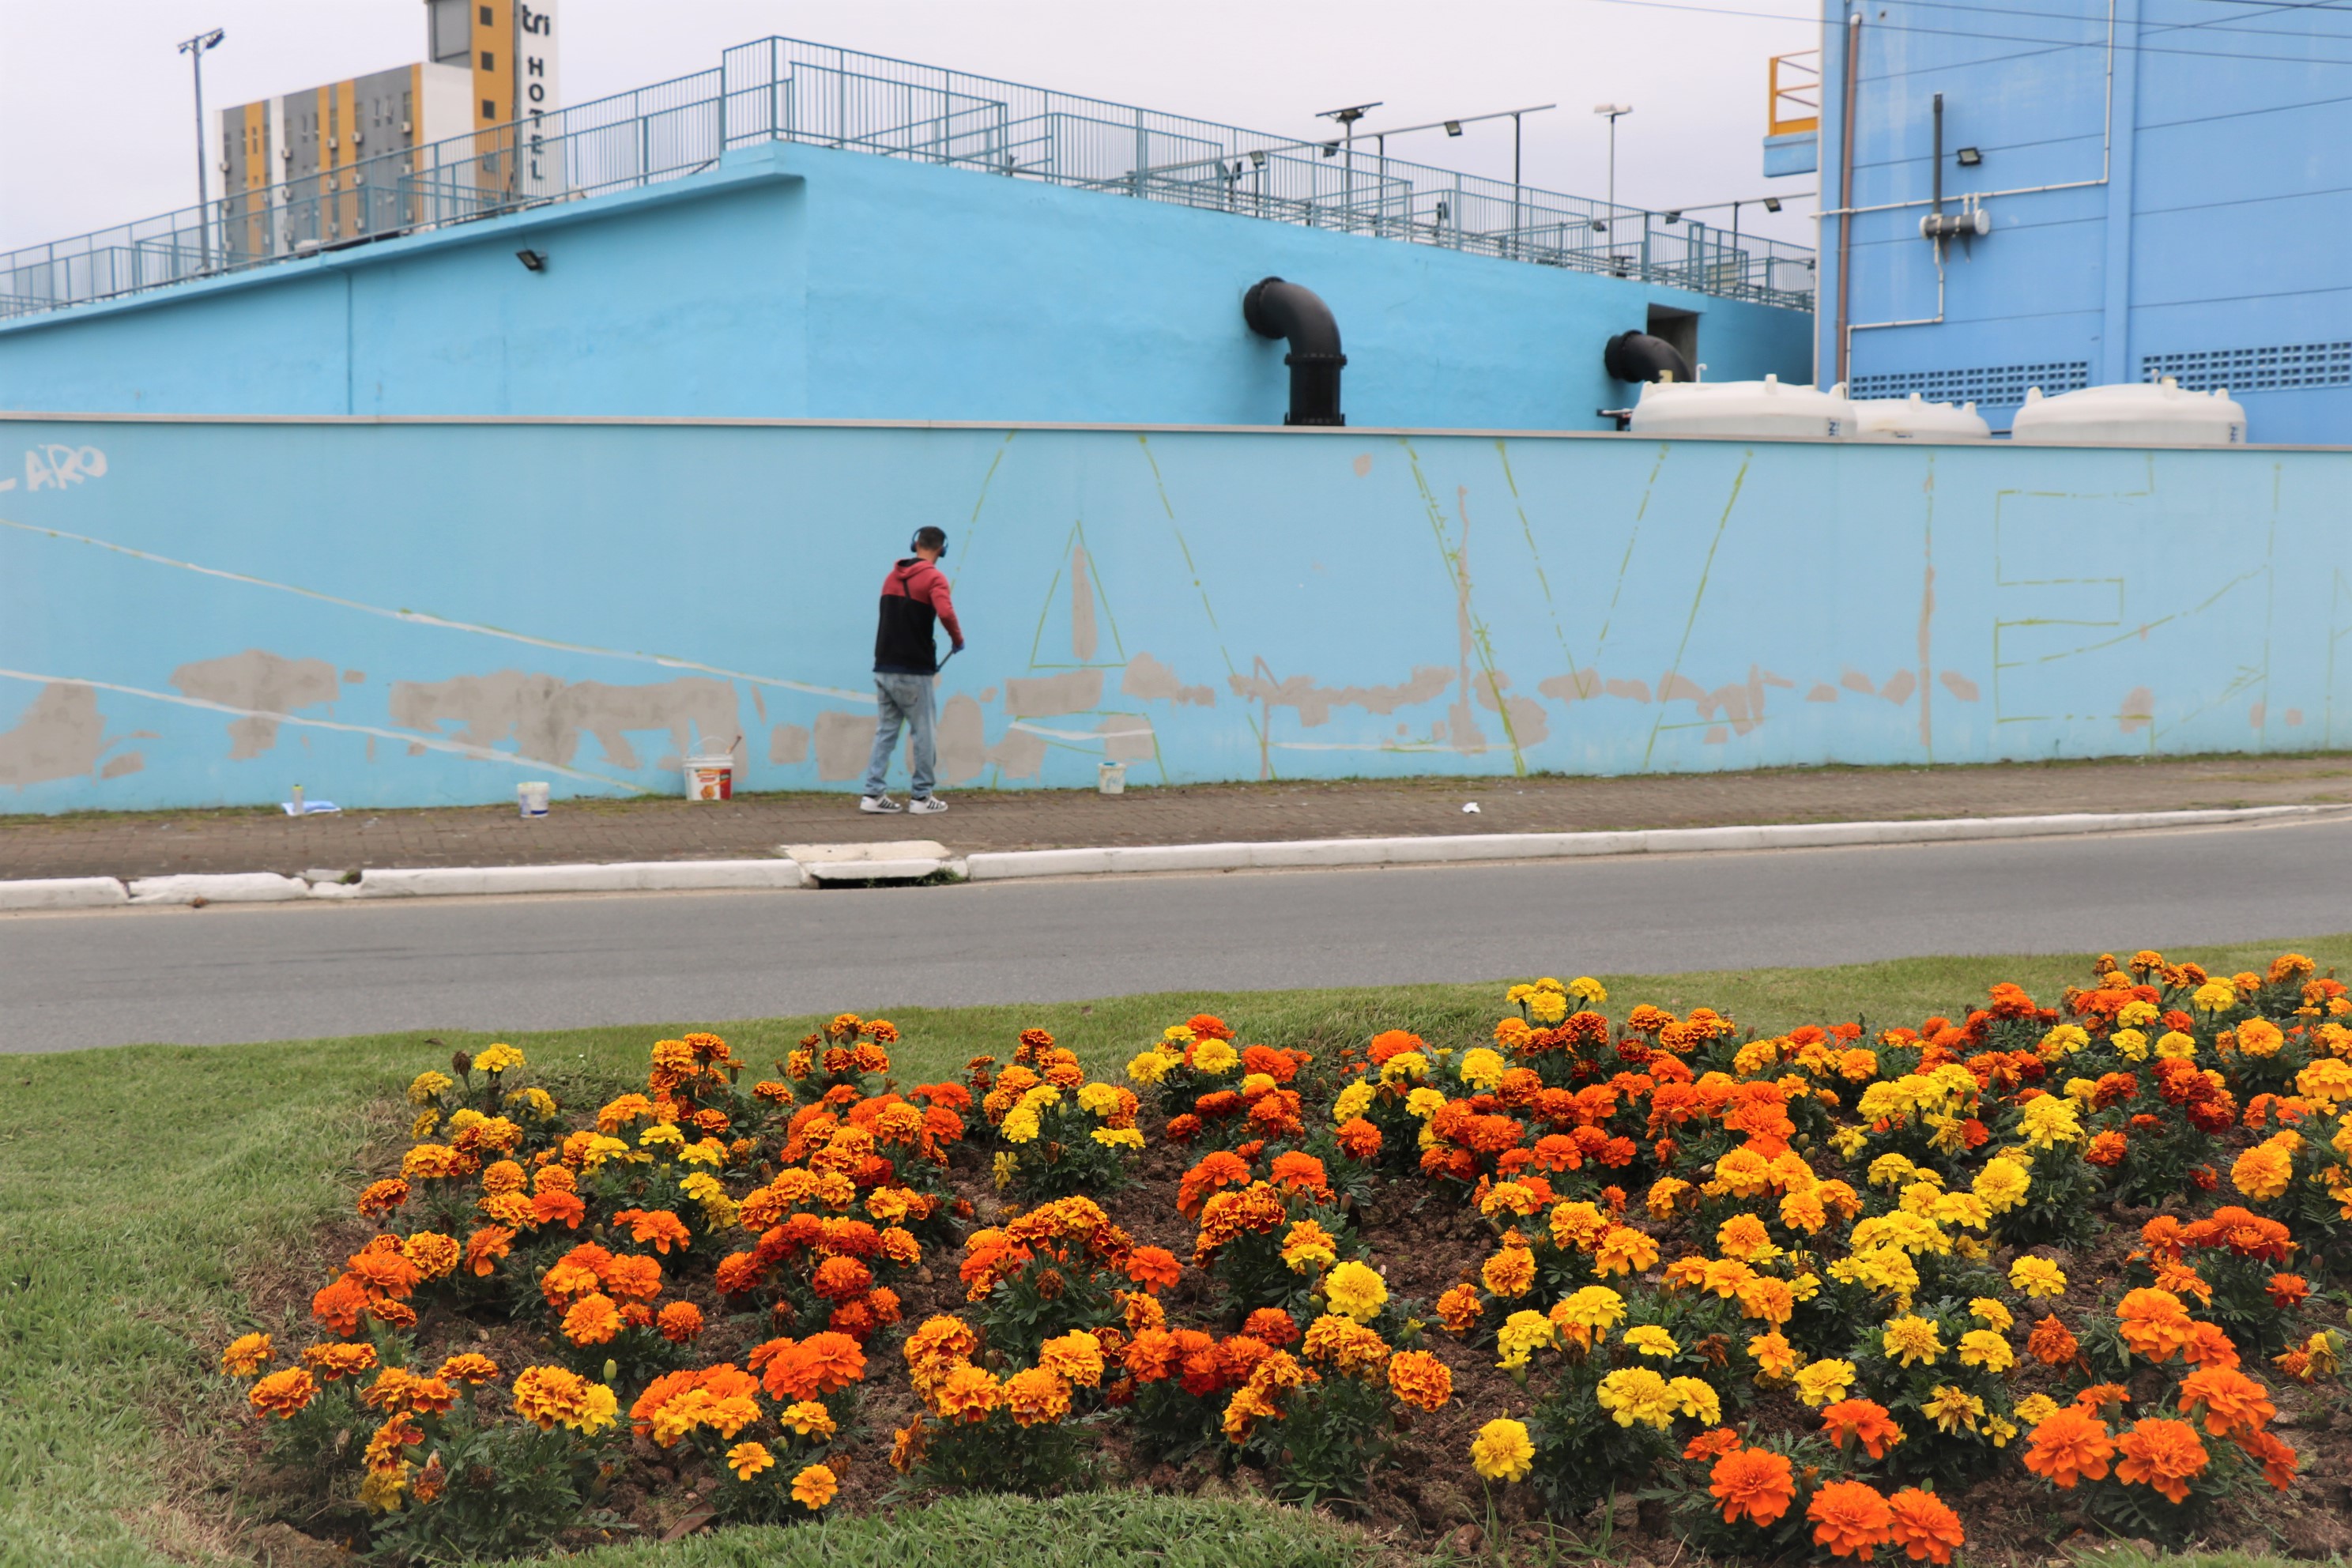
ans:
x=785 y=90
x=1793 y=104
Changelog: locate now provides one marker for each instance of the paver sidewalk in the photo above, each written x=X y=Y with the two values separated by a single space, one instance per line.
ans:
x=248 y=839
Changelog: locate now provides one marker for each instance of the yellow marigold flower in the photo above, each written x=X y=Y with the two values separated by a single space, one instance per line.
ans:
x=2262 y=1172
x=748 y=1460
x=1912 y=1340
x=2129 y=1044
x=1352 y=1101
x=1984 y=1348
x=2037 y=1277
x=1502 y=1450
x=1405 y=1067
x=2002 y=1185
x=2050 y=1121
x=1695 y=1399
x=427 y=1087
x=2174 y=1045
x=1623 y=1250
x=1952 y=1408
x=1309 y=1247
x=1775 y=1358
x=1992 y=1313
x=498 y=1058
x=1589 y=991
x=1664 y=1194
x=245 y=1354
x=2215 y=996
x=2036 y=1408
x=1824 y=1382
x=1423 y=1102
x=1648 y=1339
x=806 y=1417
x=1523 y=1333
x=1354 y=1291
x=1119 y=1136
x=1595 y=1308
x=814 y=1487
x=1214 y=1058
x=1147 y=1068
x=2064 y=1041
x=1481 y=1069
x=1635 y=1394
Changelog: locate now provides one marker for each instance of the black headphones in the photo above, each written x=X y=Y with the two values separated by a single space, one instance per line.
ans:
x=914 y=542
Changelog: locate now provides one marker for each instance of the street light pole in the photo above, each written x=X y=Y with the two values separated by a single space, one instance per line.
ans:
x=1612 y=111
x=194 y=49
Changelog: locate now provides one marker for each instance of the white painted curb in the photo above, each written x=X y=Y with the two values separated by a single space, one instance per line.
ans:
x=625 y=876
x=62 y=893
x=694 y=876
x=1475 y=847
x=232 y=887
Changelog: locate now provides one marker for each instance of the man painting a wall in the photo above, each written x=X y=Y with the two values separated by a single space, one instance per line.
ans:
x=914 y=597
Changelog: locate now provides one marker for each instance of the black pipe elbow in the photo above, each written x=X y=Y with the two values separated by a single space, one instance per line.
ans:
x=1638 y=356
x=1275 y=309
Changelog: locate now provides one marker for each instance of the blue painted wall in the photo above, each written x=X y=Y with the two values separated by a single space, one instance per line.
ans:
x=200 y=612
x=801 y=281
x=2215 y=230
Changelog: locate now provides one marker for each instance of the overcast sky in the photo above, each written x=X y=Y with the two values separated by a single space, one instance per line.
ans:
x=96 y=111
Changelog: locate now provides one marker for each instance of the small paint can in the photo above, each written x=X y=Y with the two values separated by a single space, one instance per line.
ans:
x=531 y=798
x=1111 y=779
x=710 y=778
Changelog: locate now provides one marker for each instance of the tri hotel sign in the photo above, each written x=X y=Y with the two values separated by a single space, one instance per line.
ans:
x=516 y=80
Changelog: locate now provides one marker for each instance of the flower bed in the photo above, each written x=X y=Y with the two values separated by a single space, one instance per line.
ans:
x=1823 y=1294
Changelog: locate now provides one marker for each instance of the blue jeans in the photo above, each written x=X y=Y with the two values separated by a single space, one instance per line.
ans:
x=901 y=700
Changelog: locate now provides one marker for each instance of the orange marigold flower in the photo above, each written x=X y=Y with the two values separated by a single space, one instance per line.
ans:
x=1865 y=1421
x=1037 y=1397
x=1458 y=1309
x=2277 y=1460
x=1420 y=1379
x=1711 y=1445
x=1272 y=1324
x=591 y=1321
x=660 y=1226
x=1218 y=1169
x=1359 y=1138
x=2068 y=1447
x=1155 y=1269
x=380 y=1198
x=335 y=1362
x=1923 y=1526
x=1850 y=1518
x=639 y=1278
x=1754 y=1483
x=468 y=1367
x=341 y=1305
x=2154 y=1322
x=283 y=1394
x=2229 y=1400
x=2163 y=1454
x=679 y=1322
x=2050 y=1344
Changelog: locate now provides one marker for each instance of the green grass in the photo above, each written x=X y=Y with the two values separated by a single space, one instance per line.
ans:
x=156 y=1200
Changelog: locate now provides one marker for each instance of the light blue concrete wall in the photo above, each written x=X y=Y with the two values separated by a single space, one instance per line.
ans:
x=2213 y=223
x=801 y=281
x=197 y=612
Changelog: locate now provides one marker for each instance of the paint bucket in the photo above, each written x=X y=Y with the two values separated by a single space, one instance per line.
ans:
x=1111 y=779
x=710 y=778
x=531 y=798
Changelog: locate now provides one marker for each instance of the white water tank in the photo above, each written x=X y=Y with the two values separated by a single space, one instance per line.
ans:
x=2145 y=414
x=1766 y=407
x=1914 y=418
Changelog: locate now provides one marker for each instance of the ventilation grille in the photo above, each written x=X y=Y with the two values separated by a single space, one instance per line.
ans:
x=1992 y=386
x=2255 y=370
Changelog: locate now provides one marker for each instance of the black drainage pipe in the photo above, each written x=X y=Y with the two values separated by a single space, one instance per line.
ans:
x=1638 y=356
x=1275 y=309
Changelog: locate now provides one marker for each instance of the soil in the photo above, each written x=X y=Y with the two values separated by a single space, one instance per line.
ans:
x=1427 y=1500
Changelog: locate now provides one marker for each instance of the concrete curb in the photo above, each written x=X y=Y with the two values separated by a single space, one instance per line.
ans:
x=696 y=875
x=1476 y=846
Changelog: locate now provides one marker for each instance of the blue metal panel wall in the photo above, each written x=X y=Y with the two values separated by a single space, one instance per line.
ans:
x=2202 y=240
x=803 y=281
x=196 y=612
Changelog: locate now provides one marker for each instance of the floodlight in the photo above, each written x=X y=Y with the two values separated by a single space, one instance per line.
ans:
x=532 y=260
x=1970 y=157
x=1453 y=128
x=1771 y=204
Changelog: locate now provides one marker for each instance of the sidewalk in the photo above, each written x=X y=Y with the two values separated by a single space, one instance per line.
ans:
x=248 y=839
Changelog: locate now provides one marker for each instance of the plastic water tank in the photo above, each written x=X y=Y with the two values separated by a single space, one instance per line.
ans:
x=1914 y=418
x=2157 y=414
x=1766 y=407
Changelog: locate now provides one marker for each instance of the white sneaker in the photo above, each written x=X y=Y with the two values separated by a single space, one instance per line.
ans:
x=926 y=805
x=882 y=803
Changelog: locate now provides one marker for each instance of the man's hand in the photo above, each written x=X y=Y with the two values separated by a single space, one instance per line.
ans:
x=958 y=647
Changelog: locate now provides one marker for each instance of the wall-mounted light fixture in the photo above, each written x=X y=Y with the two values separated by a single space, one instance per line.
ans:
x=532 y=260
x=1969 y=157
x=1257 y=158
x=1453 y=128
x=1674 y=217
x=1771 y=204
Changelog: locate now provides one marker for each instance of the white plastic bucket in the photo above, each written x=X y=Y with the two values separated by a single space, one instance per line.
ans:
x=710 y=778
x=1111 y=779
x=533 y=798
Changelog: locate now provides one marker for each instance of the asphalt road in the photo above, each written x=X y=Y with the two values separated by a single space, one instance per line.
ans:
x=292 y=971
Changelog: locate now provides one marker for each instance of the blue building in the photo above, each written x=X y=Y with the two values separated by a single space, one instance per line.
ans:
x=2129 y=190
x=809 y=233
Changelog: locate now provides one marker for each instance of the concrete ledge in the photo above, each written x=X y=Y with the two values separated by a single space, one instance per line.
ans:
x=230 y=887
x=62 y=893
x=872 y=870
x=1452 y=848
x=625 y=876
